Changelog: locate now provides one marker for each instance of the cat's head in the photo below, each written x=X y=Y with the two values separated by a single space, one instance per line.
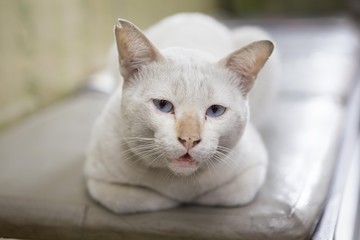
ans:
x=181 y=109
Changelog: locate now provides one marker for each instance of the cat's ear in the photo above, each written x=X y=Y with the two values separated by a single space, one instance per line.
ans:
x=134 y=49
x=248 y=61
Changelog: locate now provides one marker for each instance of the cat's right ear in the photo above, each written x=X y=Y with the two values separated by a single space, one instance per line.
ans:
x=248 y=61
x=134 y=49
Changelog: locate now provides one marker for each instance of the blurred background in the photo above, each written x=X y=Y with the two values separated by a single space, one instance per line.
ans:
x=48 y=48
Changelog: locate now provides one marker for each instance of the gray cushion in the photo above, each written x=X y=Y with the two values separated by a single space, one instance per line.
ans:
x=42 y=192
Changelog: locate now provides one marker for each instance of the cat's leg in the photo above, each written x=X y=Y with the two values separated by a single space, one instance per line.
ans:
x=127 y=199
x=239 y=191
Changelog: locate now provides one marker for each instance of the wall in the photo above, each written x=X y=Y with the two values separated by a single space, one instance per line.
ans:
x=47 y=48
x=284 y=8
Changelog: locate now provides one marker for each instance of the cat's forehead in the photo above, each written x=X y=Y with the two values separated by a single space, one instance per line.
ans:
x=191 y=79
x=186 y=68
x=185 y=55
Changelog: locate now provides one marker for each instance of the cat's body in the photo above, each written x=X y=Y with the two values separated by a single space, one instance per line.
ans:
x=176 y=131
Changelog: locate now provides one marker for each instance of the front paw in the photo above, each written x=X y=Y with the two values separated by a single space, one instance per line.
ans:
x=126 y=198
x=225 y=200
x=240 y=191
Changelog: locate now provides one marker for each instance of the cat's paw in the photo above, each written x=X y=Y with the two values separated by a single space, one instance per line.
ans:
x=127 y=199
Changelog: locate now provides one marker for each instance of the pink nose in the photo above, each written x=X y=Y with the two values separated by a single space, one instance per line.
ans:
x=189 y=142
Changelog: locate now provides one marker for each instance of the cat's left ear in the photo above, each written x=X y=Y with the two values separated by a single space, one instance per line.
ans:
x=134 y=49
x=248 y=61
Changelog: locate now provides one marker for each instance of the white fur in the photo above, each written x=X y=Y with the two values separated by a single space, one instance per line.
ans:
x=128 y=166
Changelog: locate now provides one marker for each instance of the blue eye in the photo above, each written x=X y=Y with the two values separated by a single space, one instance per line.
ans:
x=163 y=105
x=215 y=111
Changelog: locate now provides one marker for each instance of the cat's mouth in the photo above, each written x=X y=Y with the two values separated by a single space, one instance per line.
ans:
x=184 y=161
x=184 y=165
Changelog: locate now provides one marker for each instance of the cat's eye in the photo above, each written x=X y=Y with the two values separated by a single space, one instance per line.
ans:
x=215 y=111
x=163 y=105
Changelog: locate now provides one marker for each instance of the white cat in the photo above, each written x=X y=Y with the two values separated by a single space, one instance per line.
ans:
x=176 y=130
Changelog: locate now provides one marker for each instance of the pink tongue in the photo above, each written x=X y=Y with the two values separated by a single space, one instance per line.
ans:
x=186 y=160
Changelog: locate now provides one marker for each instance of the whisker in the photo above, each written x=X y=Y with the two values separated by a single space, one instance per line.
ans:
x=222 y=155
x=167 y=177
x=138 y=139
x=141 y=151
x=210 y=165
x=195 y=181
x=159 y=158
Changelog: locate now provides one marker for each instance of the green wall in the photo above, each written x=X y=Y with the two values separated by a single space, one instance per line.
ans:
x=48 y=47
x=283 y=8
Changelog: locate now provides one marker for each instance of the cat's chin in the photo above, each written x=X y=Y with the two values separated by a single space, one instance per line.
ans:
x=184 y=165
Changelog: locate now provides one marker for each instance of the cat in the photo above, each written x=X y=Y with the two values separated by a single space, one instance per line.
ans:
x=176 y=129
